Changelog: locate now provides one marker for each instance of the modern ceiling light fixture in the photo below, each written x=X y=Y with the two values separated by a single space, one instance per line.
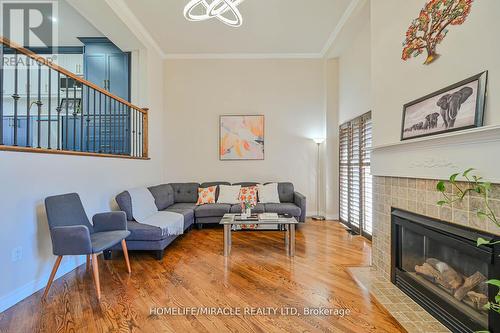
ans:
x=225 y=11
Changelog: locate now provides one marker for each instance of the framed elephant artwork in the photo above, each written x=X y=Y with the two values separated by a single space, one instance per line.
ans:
x=457 y=107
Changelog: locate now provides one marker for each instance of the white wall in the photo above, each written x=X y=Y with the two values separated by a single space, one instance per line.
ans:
x=468 y=49
x=71 y=24
x=290 y=93
x=348 y=91
x=331 y=178
x=355 y=71
x=26 y=179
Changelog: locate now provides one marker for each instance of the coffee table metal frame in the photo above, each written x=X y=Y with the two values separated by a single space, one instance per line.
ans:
x=289 y=222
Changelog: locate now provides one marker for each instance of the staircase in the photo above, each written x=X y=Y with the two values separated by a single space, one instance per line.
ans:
x=45 y=108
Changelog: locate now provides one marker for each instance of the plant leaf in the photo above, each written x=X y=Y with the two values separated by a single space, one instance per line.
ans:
x=494 y=282
x=482 y=241
x=441 y=187
x=466 y=172
x=442 y=202
x=453 y=177
x=497 y=298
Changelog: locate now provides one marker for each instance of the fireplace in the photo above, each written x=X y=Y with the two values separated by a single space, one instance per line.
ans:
x=438 y=265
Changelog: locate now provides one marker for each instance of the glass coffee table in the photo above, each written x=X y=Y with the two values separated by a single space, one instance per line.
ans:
x=287 y=222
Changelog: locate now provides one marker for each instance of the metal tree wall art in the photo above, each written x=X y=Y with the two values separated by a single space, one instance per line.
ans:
x=431 y=27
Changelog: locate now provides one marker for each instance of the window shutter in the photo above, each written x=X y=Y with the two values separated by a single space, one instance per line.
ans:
x=366 y=144
x=354 y=174
x=344 y=172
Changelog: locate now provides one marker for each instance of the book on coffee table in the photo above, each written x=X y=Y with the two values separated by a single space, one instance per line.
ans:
x=253 y=217
x=268 y=217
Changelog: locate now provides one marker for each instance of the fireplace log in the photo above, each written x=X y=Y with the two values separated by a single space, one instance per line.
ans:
x=450 y=279
x=470 y=283
x=429 y=272
x=478 y=299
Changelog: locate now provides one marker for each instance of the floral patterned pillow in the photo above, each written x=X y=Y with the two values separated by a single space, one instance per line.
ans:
x=206 y=195
x=249 y=194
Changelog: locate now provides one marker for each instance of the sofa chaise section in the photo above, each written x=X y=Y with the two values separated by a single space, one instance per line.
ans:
x=146 y=237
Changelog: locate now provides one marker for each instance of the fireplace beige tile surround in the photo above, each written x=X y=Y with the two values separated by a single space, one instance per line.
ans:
x=420 y=196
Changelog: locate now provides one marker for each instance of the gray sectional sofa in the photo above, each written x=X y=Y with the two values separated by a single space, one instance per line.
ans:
x=181 y=198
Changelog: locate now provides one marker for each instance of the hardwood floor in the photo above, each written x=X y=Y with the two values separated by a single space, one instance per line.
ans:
x=194 y=273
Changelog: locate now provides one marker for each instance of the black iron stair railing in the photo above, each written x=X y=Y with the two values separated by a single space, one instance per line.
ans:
x=69 y=116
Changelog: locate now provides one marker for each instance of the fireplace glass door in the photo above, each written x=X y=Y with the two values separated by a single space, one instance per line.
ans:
x=455 y=276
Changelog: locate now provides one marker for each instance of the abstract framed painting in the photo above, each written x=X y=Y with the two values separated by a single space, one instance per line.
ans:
x=241 y=137
x=457 y=107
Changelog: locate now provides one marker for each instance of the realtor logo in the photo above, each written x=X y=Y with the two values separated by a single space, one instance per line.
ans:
x=29 y=23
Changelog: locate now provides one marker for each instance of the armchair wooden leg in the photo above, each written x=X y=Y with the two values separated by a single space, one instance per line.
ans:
x=95 y=270
x=52 y=275
x=88 y=262
x=125 y=254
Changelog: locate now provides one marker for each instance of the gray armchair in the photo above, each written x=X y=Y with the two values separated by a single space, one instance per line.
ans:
x=73 y=234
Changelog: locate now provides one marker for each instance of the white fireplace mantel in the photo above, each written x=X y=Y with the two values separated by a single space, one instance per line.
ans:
x=437 y=157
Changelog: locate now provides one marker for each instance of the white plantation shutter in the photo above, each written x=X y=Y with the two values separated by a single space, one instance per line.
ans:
x=355 y=177
x=366 y=145
x=344 y=173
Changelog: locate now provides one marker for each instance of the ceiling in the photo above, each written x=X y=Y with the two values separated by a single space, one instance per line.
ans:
x=272 y=27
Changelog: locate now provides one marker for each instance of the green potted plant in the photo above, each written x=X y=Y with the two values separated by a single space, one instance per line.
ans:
x=473 y=184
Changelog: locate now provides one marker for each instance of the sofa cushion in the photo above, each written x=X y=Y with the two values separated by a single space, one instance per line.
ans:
x=285 y=191
x=229 y=194
x=208 y=184
x=258 y=209
x=268 y=193
x=185 y=192
x=187 y=213
x=283 y=208
x=164 y=195
x=143 y=232
x=124 y=201
x=249 y=194
x=183 y=206
x=214 y=210
x=206 y=195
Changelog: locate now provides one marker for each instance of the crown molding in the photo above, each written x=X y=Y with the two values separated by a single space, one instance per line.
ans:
x=342 y=22
x=127 y=16
x=243 y=56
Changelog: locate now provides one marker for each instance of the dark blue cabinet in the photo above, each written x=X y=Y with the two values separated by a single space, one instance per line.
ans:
x=17 y=127
x=108 y=67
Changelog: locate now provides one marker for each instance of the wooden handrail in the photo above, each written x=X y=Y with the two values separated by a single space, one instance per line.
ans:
x=36 y=57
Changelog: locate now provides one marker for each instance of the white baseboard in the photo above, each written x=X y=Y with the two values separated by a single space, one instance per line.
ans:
x=18 y=294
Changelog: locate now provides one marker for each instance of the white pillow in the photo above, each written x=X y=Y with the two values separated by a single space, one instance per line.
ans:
x=229 y=194
x=268 y=193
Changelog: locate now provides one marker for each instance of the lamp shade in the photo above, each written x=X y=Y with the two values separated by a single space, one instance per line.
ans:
x=319 y=140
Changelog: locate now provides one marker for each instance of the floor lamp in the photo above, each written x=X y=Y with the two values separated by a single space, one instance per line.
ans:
x=318 y=217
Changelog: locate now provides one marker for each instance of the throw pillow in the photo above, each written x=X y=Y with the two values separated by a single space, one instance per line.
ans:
x=268 y=193
x=229 y=194
x=249 y=194
x=206 y=195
